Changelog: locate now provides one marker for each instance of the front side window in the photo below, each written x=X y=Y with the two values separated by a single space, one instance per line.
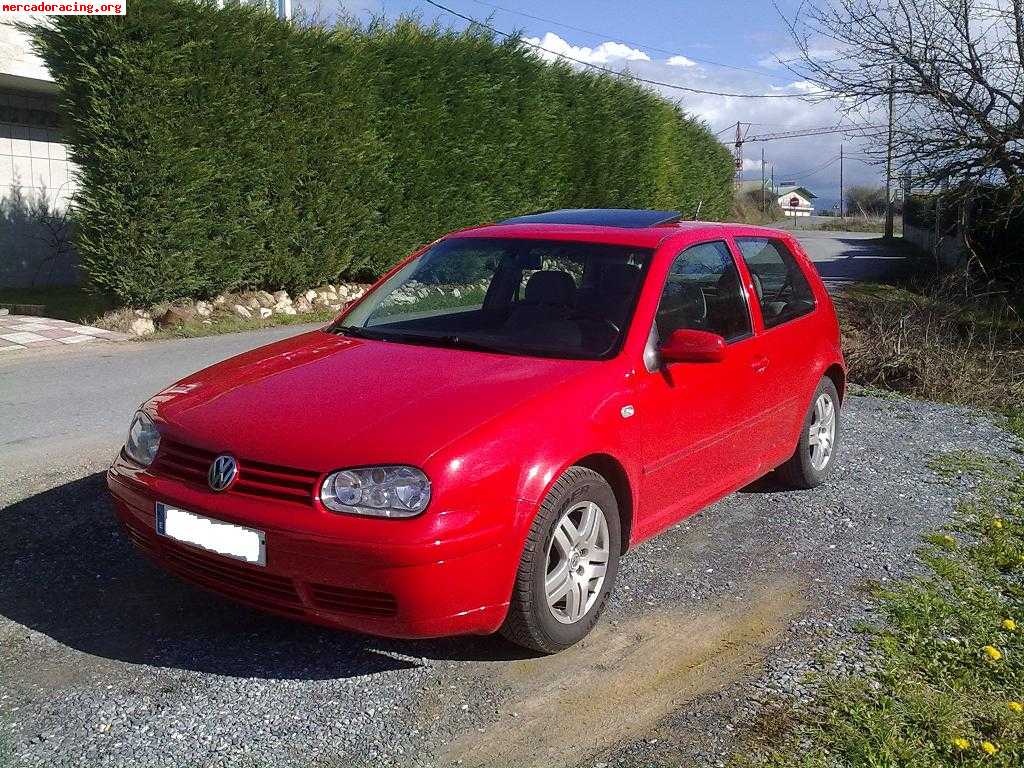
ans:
x=515 y=296
x=782 y=290
x=703 y=293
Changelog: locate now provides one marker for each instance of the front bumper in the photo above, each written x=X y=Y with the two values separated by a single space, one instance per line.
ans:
x=418 y=586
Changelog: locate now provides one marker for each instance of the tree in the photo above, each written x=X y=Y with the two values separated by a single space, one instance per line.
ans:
x=953 y=69
x=866 y=201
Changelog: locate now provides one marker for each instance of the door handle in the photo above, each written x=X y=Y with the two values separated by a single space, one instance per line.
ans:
x=759 y=364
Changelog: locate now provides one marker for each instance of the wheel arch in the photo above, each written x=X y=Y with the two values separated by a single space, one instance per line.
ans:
x=611 y=469
x=838 y=376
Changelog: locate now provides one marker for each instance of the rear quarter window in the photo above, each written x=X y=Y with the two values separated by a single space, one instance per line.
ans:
x=782 y=289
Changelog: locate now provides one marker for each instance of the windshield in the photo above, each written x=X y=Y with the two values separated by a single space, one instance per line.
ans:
x=530 y=297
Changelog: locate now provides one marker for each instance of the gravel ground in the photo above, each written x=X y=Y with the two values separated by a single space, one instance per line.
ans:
x=105 y=660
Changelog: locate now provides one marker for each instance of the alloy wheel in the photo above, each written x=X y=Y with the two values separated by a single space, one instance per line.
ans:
x=822 y=432
x=577 y=560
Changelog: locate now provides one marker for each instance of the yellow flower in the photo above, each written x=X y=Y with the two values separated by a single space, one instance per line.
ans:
x=997 y=523
x=1009 y=625
x=1015 y=706
x=961 y=743
x=989 y=748
x=992 y=652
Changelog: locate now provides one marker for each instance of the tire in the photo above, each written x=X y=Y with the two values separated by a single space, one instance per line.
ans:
x=532 y=621
x=803 y=470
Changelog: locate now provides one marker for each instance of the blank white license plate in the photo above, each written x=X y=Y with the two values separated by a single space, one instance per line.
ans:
x=226 y=539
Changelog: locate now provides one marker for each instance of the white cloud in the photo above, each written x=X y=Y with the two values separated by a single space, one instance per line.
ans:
x=605 y=53
x=681 y=61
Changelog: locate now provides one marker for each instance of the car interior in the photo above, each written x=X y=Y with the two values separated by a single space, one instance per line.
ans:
x=569 y=298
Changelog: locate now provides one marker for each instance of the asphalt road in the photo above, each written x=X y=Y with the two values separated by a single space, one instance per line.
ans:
x=845 y=257
x=68 y=404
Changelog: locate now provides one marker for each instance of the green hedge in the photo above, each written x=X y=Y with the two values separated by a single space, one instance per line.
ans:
x=222 y=149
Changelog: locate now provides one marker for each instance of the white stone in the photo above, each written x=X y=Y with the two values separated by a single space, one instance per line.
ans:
x=253 y=303
x=289 y=311
x=141 y=326
x=281 y=306
x=4 y=311
x=220 y=300
x=280 y=296
x=241 y=311
x=309 y=295
x=204 y=308
x=265 y=313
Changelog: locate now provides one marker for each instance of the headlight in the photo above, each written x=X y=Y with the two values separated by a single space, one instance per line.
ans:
x=143 y=440
x=390 y=491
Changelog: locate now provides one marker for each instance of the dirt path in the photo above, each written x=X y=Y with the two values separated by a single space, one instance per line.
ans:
x=625 y=678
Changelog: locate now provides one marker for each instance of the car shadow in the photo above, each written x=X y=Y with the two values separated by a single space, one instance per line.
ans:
x=67 y=571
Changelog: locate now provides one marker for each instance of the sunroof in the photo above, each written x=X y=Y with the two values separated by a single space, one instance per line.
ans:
x=600 y=217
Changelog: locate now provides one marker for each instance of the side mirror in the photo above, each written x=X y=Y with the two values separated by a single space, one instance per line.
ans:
x=688 y=346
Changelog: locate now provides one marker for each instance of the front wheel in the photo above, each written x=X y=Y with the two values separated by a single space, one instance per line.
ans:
x=816 y=451
x=568 y=565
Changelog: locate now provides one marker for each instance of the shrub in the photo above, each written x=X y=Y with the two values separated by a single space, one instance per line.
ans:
x=223 y=149
x=934 y=343
x=750 y=209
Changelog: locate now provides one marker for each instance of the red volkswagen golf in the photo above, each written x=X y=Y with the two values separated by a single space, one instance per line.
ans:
x=473 y=445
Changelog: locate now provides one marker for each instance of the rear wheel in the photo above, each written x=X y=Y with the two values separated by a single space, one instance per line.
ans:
x=568 y=565
x=815 y=453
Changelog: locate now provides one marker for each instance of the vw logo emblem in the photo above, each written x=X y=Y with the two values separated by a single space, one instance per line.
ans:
x=222 y=472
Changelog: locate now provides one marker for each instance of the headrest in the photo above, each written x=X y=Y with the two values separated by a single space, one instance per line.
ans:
x=550 y=286
x=619 y=279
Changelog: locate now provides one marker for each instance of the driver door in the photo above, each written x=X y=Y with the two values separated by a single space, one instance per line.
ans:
x=697 y=417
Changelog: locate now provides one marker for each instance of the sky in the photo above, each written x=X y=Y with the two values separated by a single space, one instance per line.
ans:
x=732 y=46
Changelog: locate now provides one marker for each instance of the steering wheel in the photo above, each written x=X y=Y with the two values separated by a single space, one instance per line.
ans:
x=595 y=318
x=785 y=284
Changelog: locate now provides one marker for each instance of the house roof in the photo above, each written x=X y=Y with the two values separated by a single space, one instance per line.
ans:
x=802 y=191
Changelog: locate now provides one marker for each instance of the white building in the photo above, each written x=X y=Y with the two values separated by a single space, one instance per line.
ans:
x=33 y=158
x=36 y=177
x=795 y=200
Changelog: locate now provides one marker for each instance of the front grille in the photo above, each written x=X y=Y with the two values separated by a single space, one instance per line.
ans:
x=255 y=478
x=232 y=579
x=358 y=601
x=253 y=585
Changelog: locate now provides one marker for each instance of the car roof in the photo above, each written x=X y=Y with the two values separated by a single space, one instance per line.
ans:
x=617 y=226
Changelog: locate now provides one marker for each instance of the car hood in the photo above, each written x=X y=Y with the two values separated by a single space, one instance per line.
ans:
x=320 y=401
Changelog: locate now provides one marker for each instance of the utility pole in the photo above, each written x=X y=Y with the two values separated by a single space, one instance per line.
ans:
x=764 y=206
x=842 y=209
x=738 y=154
x=888 y=158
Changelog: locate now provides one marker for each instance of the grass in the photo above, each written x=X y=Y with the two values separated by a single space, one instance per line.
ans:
x=945 y=679
x=73 y=303
x=860 y=224
x=931 y=343
x=230 y=323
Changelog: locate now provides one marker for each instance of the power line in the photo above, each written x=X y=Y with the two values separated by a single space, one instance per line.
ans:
x=610 y=71
x=633 y=43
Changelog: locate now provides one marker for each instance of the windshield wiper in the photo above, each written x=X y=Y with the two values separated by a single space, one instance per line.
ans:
x=355 y=331
x=442 y=340
x=446 y=340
